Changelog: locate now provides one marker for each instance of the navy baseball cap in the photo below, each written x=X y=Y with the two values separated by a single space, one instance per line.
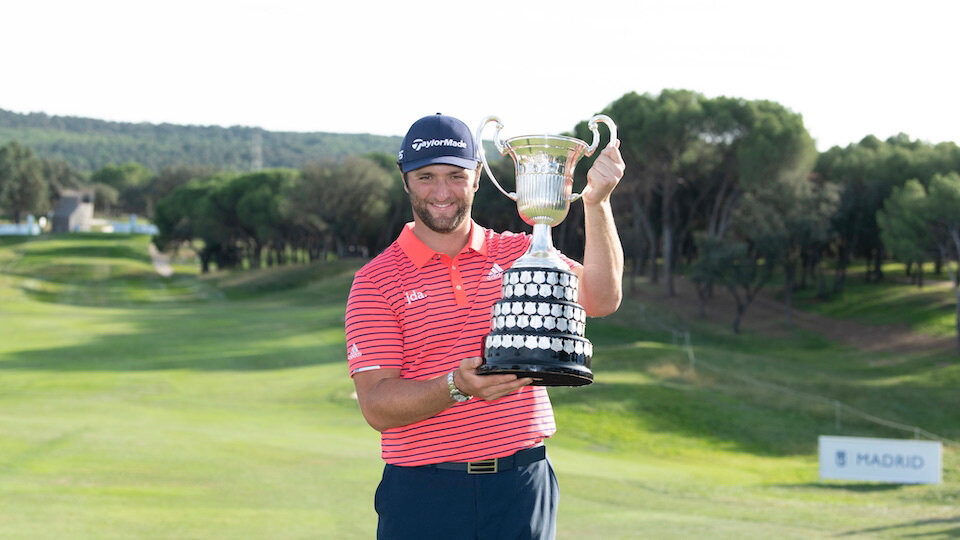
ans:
x=437 y=139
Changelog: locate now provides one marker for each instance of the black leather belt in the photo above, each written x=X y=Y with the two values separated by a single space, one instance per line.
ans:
x=495 y=465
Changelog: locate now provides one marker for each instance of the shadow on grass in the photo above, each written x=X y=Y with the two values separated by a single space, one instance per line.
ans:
x=952 y=532
x=259 y=335
x=129 y=290
x=725 y=421
x=101 y=251
x=854 y=487
x=253 y=283
x=6 y=241
x=91 y=285
x=146 y=352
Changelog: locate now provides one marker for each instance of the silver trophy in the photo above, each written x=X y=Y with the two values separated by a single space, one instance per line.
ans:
x=538 y=326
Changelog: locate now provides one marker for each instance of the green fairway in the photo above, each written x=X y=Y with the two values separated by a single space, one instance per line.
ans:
x=137 y=406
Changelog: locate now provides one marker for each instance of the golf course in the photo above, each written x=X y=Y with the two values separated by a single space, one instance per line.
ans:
x=134 y=405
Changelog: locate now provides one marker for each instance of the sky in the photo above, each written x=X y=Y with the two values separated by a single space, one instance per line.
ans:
x=851 y=68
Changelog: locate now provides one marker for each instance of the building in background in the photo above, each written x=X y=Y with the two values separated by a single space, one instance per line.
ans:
x=74 y=212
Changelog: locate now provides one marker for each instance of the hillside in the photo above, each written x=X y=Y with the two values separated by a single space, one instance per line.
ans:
x=89 y=144
x=139 y=406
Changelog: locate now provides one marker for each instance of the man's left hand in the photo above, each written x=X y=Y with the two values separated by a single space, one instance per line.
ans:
x=604 y=175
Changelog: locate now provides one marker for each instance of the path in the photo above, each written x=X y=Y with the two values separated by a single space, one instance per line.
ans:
x=161 y=261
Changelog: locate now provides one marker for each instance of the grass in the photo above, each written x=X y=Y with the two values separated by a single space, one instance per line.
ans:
x=135 y=406
x=930 y=309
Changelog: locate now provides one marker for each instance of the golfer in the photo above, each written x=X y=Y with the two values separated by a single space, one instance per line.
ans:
x=464 y=453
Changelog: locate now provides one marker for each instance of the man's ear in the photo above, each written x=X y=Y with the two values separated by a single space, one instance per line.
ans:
x=479 y=171
x=403 y=178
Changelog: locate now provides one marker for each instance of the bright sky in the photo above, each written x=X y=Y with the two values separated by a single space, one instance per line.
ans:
x=850 y=67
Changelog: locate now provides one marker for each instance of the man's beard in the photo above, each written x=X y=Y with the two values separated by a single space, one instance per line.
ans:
x=443 y=224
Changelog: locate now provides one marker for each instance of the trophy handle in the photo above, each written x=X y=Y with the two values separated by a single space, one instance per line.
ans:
x=596 y=141
x=500 y=148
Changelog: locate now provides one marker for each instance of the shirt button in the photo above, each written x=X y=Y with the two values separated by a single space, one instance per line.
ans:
x=454 y=267
x=458 y=287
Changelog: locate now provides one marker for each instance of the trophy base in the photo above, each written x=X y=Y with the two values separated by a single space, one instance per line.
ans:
x=541 y=375
x=545 y=367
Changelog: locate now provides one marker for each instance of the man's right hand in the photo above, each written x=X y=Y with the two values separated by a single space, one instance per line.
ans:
x=485 y=387
x=388 y=401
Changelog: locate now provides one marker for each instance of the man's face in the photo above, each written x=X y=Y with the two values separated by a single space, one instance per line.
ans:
x=442 y=195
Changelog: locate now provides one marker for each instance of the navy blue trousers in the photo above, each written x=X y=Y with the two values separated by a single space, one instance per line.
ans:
x=422 y=503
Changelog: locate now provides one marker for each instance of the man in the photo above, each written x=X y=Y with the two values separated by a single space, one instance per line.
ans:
x=415 y=320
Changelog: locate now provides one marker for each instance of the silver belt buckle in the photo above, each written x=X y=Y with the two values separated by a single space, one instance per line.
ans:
x=486 y=466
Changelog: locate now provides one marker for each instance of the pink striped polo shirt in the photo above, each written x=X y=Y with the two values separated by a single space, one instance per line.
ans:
x=422 y=312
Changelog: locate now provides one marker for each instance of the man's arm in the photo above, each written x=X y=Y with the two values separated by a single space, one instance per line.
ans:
x=601 y=277
x=389 y=401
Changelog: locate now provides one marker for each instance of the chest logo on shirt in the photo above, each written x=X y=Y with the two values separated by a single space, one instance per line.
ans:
x=495 y=273
x=413 y=296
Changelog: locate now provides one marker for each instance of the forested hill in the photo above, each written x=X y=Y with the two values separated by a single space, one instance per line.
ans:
x=89 y=144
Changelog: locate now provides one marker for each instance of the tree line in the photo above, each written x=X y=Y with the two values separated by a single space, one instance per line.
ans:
x=88 y=144
x=354 y=207
x=726 y=191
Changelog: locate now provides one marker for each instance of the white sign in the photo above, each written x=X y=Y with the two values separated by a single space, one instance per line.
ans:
x=899 y=461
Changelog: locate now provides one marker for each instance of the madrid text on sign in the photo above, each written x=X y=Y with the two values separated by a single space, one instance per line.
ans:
x=880 y=460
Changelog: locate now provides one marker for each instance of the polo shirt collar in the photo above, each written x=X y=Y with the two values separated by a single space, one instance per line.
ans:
x=420 y=254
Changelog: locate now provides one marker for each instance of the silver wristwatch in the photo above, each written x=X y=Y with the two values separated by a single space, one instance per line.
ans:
x=455 y=392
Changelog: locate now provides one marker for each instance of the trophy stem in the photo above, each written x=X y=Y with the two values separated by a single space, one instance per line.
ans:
x=541 y=254
x=542 y=244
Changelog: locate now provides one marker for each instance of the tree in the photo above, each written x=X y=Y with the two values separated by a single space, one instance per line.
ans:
x=759 y=245
x=691 y=160
x=236 y=222
x=345 y=203
x=709 y=268
x=130 y=180
x=772 y=197
x=658 y=136
x=180 y=220
x=944 y=215
x=866 y=173
x=105 y=197
x=912 y=215
x=903 y=225
x=23 y=188
x=399 y=210
x=60 y=175
x=258 y=211
x=168 y=179
x=743 y=268
x=811 y=234
x=776 y=213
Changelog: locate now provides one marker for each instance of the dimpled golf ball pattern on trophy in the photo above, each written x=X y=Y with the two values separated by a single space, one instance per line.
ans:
x=538 y=329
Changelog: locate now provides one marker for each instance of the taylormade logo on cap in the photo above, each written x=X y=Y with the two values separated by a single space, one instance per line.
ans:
x=419 y=144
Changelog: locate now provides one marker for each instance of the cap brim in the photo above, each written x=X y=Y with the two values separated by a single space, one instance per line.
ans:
x=442 y=160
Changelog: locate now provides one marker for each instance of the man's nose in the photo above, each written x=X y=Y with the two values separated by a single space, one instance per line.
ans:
x=443 y=189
